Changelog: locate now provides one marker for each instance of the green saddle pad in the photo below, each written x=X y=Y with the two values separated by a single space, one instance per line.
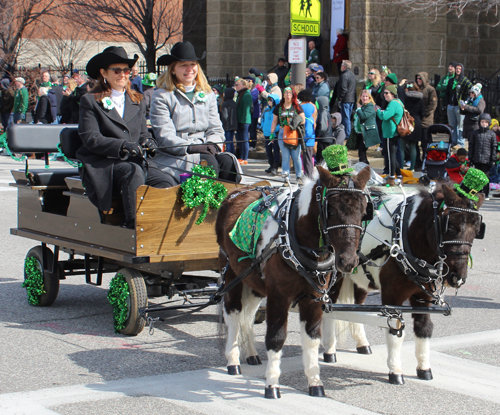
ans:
x=248 y=228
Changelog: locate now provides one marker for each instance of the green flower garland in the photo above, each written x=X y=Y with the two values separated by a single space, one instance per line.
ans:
x=67 y=160
x=3 y=144
x=118 y=293
x=34 y=281
x=203 y=190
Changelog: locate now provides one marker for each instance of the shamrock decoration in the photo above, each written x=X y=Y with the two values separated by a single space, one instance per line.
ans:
x=107 y=103
x=199 y=190
x=201 y=96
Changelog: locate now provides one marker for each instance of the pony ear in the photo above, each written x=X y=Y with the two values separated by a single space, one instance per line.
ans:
x=327 y=178
x=363 y=176
x=450 y=195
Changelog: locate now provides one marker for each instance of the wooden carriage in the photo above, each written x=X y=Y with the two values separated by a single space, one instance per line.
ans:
x=54 y=209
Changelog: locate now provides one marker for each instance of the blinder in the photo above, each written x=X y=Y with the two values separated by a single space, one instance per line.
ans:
x=444 y=222
x=370 y=212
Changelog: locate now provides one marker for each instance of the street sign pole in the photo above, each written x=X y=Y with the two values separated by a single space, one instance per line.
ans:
x=299 y=69
x=305 y=19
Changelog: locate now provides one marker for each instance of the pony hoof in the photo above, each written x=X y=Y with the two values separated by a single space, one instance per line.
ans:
x=234 y=370
x=318 y=391
x=396 y=379
x=330 y=357
x=254 y=360
x=272 y=393
x=424 y=374
x=364 y=350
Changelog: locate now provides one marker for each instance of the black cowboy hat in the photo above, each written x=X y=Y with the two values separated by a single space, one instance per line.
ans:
x=109 y=56
x=181 y=51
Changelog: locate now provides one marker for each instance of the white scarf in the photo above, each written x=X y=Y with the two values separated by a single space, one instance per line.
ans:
x=118 y=99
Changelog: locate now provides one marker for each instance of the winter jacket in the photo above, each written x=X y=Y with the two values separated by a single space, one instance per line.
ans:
x=7 y=100
x=20 y=101
x=268 y=116
x=394 y=109
x=229 y=111
x=495 y=173
x=321 y=90
x=415 y=105
x=43 y=113
x=323 y=121
x=456 y=170
x=274 y=89
x=373 y=89
x=309 y=110
x=55 y=95
x=245 y=106
x=340 y=49
x=458 y=89
x=178 y=122
x=310 y=82
x=256 y=103
x=443 y=85
x=347 y=87
x=430 y=100
x=368 y=120
x=338 y=132
x=313 y=57
x=473 y=108
x=483 y=144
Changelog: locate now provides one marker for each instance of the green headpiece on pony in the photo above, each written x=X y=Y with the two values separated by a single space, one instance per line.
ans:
x=336 y=159
x=473 y=182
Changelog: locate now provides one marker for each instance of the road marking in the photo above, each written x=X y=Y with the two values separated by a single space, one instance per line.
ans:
x=213 y=391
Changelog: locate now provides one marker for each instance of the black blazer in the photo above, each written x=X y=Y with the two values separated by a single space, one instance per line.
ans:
x=103 y=133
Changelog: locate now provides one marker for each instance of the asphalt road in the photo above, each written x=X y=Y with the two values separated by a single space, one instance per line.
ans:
x=66 y=359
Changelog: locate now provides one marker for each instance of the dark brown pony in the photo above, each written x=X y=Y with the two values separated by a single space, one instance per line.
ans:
x=458 y=223
x=281 y=283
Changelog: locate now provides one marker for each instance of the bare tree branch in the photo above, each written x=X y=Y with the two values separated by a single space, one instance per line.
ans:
x=149 y=24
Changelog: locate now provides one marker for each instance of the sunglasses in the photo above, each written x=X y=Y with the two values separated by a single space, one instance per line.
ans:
x=118 y=71
x=371 y=73
x=317 y=77
x=386 y=92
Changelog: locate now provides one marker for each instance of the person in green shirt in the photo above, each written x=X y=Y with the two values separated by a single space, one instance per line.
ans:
x=46 y=80
x=442 y=116
x=245 y=106
x=313 y=54
x=391 y=117
x=20 y=101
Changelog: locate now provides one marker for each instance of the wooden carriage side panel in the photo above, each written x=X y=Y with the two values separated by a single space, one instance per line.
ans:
x=166 y=229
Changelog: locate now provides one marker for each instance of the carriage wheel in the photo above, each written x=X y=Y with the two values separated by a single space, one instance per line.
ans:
x=41 y=285
x=127 y=294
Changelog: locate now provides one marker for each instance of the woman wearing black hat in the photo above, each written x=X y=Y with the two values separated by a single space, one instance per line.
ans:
x=115 y=136
x=185 y=118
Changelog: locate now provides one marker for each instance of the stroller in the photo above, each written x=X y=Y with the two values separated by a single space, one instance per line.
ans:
x=437 y=152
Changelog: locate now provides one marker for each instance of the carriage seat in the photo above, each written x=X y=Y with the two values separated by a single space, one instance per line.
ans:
x=36 y=138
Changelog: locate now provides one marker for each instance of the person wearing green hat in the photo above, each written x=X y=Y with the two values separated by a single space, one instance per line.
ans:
x=391 y=117
x=148 y=86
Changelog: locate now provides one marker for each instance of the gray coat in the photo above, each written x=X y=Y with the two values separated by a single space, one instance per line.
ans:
x=177 y=123
x=103 y=133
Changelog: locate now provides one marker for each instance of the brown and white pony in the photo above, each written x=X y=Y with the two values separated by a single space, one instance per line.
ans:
x=458 y=223
x=278 y=281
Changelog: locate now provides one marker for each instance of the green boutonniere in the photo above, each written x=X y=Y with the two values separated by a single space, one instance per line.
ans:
x=107 y=103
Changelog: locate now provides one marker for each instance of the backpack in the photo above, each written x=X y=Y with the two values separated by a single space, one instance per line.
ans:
x=407 y=123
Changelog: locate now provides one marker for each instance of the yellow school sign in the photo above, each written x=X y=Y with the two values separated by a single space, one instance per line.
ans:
x=305 y=17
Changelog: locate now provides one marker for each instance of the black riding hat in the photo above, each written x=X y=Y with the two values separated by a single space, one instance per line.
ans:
x=180 y=52
x=113 y=54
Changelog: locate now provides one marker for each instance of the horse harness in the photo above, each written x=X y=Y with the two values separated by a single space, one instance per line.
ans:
x=418 y=270
x=314 y=271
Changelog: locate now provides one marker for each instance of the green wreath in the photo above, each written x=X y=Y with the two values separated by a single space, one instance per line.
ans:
x=118 y=293
x=33 y=281
x=199 y=190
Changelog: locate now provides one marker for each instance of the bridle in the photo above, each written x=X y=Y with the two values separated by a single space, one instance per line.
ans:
x=312 y=267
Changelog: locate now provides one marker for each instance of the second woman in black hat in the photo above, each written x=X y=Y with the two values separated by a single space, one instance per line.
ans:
x=185 y=118
x=115 y=136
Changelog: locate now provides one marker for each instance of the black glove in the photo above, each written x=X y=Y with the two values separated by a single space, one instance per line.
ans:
x=150 y=145
x=210 y=149
x=130 y=149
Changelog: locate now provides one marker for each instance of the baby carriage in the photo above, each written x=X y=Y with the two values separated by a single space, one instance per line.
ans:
x=438 y=150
